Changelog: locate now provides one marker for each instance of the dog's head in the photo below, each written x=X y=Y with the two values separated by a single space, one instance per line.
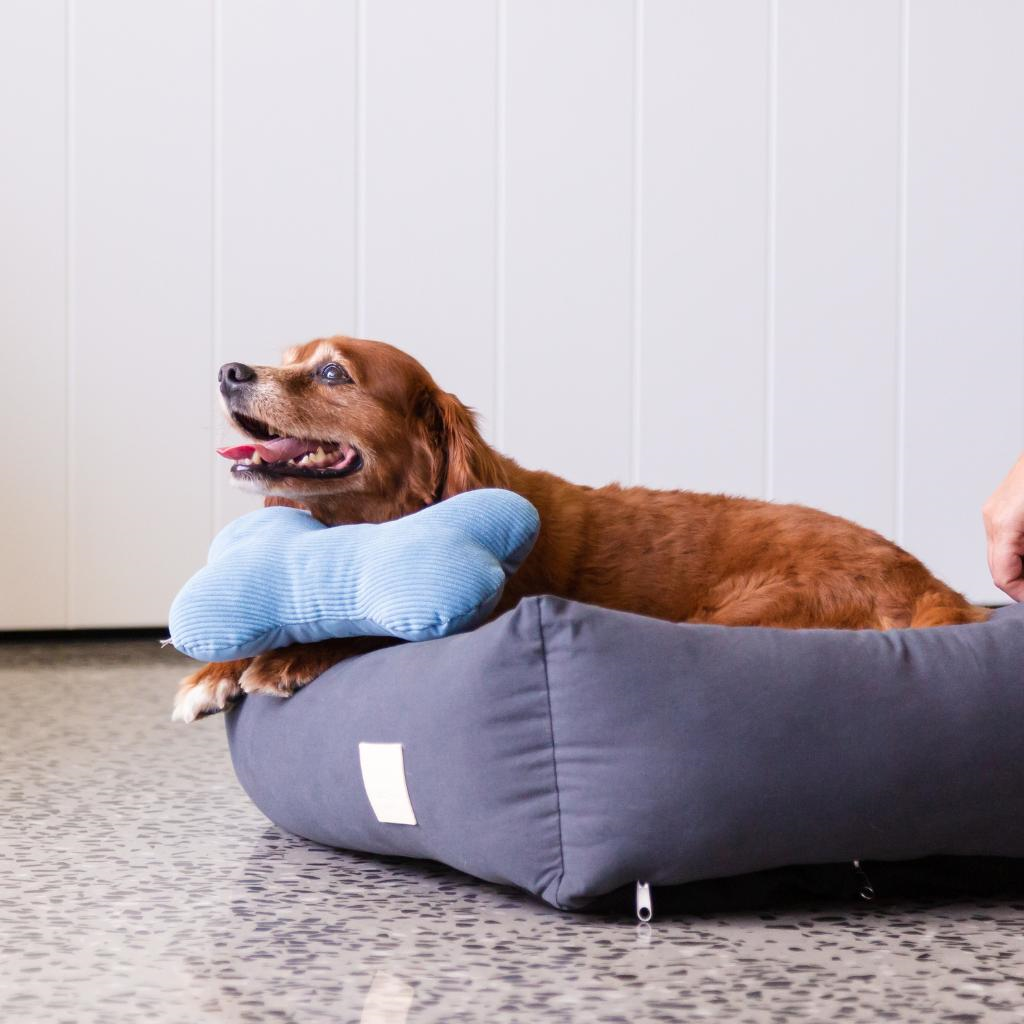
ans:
x=355 y=430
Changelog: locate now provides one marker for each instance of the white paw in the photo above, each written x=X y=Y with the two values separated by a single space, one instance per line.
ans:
x=189 y=703
x=202 y=698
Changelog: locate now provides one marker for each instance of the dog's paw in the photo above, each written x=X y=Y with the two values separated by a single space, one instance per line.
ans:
x=280 y=673
x=212 y=689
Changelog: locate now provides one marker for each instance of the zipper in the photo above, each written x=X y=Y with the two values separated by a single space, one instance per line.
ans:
x=867 y=890
x=644 y=906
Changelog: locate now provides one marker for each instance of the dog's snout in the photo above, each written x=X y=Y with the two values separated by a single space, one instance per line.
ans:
x=233 y=375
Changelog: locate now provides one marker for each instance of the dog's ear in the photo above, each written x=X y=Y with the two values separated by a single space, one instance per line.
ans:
x=464 y=460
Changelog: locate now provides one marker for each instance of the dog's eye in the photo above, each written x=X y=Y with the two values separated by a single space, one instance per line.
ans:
x=335 y=373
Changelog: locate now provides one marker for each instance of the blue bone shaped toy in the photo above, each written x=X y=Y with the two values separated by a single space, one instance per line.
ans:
x=278 y=576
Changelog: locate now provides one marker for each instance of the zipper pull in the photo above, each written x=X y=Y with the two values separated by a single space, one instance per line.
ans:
x=867 y=890
x=644 y=908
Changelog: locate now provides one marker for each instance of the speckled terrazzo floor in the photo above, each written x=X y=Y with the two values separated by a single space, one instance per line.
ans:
x=137 y=883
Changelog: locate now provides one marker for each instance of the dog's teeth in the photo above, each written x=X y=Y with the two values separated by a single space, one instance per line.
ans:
x=313 y=459
x=256 y=460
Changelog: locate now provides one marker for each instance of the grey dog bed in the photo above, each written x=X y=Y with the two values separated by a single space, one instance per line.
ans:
x=569 y=750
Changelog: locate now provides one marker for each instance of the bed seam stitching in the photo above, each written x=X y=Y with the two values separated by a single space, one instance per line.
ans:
x=554 y=753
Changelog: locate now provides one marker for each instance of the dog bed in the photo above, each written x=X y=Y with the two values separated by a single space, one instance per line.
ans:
x=570 y=750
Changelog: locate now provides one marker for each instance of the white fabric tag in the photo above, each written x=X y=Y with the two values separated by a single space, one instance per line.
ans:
x=383 y=768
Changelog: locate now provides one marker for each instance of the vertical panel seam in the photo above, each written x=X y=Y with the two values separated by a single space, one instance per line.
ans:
x=69 y=268
x=500 y=226
x=359 y=284
x=539 y=604
x=901 y=311
x=216 y=238
x=770 y=250
x=637 y=240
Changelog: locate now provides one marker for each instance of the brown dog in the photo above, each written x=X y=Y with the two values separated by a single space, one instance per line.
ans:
x=358 y=432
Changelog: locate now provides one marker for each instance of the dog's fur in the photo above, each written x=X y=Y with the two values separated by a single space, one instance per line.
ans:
x=674 y=555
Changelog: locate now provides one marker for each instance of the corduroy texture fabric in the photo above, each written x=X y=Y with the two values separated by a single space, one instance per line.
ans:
x=278 y=576
x=569 y=749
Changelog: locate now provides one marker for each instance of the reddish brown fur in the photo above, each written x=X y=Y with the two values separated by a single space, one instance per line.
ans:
x=675 y=555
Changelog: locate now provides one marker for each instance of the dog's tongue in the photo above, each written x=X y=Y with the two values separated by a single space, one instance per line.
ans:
x=281 y=449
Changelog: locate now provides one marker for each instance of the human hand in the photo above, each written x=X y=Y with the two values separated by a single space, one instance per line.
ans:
x=1004 y=526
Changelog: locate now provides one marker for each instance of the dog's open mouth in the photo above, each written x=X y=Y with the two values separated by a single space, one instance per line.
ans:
x=274 y=455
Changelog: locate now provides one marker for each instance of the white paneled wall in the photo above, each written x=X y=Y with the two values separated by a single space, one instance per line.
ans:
x=139 y=328
x=33 y=314
x=962 y=279
x=703 y=253
x=771 y=248
x=284 y=191
x=427 y=170
x=835 y=258
x=567 y=283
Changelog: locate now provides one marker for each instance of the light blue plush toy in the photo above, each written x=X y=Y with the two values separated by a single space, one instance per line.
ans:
x=278 y=576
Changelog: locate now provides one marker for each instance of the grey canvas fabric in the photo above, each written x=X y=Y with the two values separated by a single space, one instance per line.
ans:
x=570 y=750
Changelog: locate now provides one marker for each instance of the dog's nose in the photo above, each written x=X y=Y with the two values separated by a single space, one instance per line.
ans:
x=233 y=375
